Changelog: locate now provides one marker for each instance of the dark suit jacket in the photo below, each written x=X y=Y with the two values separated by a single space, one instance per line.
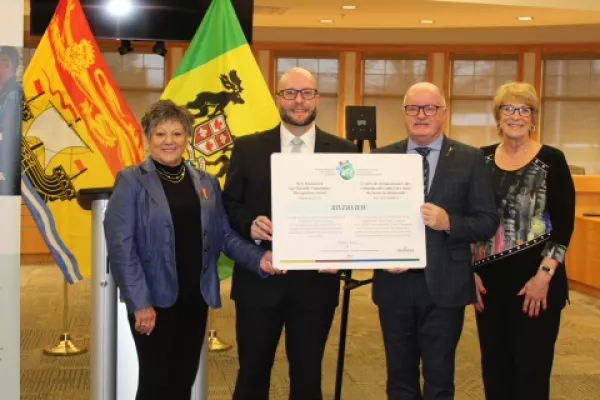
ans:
x=462 y=187
x=247 y=194
x=140 y=238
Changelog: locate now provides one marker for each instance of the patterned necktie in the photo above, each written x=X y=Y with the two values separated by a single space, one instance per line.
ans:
x=424 y=152
x=297 y=144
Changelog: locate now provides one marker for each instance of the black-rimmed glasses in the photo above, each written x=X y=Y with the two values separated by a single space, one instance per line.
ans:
x=291 y=94
x=429 y=110
x=509 y=110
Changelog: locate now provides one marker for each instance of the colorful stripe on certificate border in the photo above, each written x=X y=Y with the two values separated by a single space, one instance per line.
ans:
x=349 y=261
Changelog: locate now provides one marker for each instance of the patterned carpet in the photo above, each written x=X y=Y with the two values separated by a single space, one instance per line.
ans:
x=576 y=370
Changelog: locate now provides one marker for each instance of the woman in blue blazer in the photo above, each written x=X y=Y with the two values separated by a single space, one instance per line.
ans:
x=165 y=228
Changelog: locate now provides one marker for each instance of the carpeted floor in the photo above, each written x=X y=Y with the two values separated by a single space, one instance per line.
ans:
x=576 y=370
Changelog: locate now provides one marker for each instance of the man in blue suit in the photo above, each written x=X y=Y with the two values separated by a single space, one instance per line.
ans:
x=422 y=311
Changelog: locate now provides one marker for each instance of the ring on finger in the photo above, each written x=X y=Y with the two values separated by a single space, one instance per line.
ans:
x=256 y=222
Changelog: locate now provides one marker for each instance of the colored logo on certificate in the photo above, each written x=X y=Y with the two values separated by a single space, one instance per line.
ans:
x=345 y=169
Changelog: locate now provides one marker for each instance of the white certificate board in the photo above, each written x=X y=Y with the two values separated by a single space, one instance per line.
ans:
x=347 y=211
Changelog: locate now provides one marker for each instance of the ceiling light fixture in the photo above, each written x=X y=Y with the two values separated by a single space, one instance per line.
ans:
x=119 y=7
x=326 y=21
x=426 y=21
x=524 y=18
x=349 y=7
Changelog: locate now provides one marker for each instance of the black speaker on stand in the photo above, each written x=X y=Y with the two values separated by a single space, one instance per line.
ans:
x=361 y=125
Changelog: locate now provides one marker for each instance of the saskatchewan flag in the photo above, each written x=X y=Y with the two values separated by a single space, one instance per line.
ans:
x=219 y=81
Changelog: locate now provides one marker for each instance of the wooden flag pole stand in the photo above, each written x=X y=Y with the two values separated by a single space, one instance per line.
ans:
x=215 y=343
x=65 y=347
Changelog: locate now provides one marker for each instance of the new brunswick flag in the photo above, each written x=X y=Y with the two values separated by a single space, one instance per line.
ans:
x=219 y=81
x=77 y=133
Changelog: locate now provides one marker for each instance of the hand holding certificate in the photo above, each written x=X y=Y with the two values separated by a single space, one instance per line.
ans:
x=343 y=211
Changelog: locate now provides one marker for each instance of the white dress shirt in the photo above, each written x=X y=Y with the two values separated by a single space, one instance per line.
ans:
x=308 y=147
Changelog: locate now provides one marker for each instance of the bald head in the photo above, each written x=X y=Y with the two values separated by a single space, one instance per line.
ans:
x=426 y=87
x=294 y=75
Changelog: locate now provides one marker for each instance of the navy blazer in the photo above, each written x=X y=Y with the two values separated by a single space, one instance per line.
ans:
x=140 y=238
x=461 y=186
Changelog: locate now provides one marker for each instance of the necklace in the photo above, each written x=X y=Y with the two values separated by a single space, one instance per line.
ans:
x=172 y=177
x=516 y=160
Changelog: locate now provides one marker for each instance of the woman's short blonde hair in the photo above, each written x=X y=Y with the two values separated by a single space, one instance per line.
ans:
x=519 y=91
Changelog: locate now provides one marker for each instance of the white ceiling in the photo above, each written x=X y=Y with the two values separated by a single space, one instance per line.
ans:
x=399 y=14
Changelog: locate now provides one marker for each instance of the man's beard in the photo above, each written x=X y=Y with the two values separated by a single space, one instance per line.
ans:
x=285 y=117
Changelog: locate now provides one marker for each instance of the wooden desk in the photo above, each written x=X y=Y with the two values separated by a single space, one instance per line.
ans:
x=583 y=256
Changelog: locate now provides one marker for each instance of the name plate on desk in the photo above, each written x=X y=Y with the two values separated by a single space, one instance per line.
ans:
x=347 y=211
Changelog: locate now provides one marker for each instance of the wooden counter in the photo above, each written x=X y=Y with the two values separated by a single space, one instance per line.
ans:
x=583 y=256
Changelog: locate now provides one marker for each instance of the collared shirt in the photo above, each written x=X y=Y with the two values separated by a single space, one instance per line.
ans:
x=433 y=157
x=309 y=140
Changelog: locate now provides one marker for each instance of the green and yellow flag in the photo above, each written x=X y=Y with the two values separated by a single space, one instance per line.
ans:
x=219 y=81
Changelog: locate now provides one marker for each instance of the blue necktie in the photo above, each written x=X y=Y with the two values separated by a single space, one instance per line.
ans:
x=424 y=152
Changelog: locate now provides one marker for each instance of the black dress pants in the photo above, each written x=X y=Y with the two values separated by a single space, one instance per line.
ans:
x=168 y=358
x=258 y=330
x=517 y=351
x=415 y=329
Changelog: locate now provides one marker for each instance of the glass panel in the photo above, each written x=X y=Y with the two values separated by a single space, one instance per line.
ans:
x=416 y=67
x=473 y=123
x=485 y=67
x=555 y=67
x=394 y=84
x=154 y=61
x=463 y=85
x=484 y=85
x=395 y=67
x=572 y=127
x=328 y=66
x=155 y=78
x=578 y=85
x=392 y=77
x=579 y=67
x=132 y=60
x=374 y=67
x=374 y=83
x=327 y=83
x=390 y=119
x=311 y=65
x=463 y=67
x=283 y=64
x=507 y=68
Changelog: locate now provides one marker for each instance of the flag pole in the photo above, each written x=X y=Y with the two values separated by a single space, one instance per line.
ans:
x=215 y=343
x=65 y=347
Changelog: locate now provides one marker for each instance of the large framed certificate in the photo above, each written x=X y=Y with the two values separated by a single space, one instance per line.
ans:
x=347 y=211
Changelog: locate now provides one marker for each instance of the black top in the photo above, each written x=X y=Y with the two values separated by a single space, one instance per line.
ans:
x=536 y=204
x=184 y=205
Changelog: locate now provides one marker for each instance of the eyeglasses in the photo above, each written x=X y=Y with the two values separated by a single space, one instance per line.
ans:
x=429 y=110
x=291 y=94
x=510 y=110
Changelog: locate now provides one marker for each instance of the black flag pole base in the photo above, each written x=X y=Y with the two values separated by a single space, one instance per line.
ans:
x=349 y=284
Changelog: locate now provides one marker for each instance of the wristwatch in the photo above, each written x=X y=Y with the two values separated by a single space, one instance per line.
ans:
x=548 y=270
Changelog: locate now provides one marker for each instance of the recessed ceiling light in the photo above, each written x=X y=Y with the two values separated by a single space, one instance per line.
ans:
x=426 y=21
x=524 y=18
x=326 y=21
x=348 y=7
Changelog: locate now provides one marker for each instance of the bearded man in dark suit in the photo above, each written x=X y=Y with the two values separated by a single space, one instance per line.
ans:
x=302 y=301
